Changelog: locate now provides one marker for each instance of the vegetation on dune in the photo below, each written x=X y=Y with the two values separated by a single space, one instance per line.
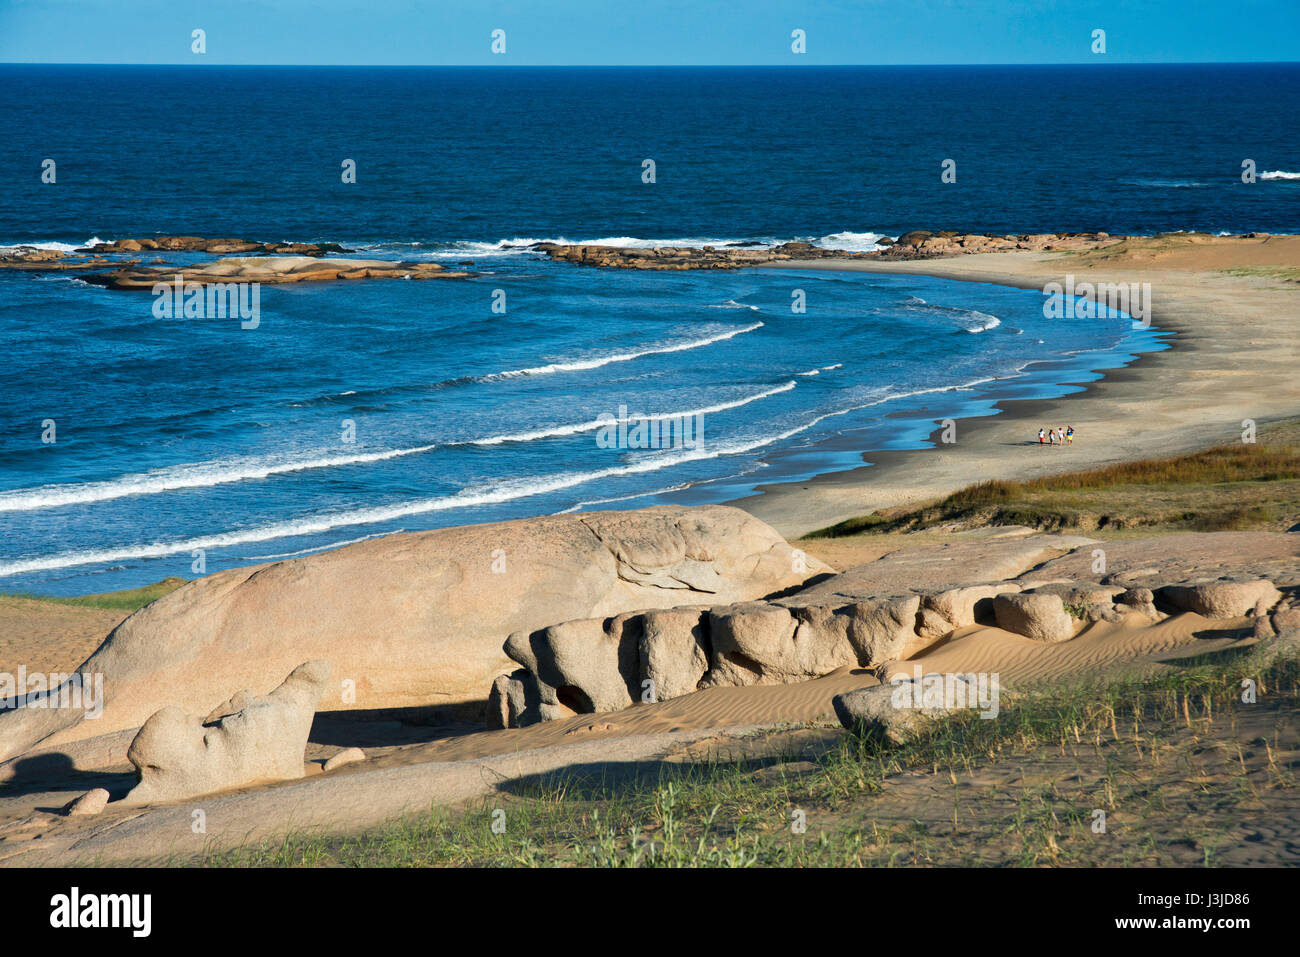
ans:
x=1170 y=760
x=1218 y=489
x=130 y=600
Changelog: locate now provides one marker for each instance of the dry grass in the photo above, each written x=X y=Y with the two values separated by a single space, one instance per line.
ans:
x=1227 y=487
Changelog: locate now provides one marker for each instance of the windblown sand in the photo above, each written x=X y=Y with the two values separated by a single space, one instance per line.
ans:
x=46 y=636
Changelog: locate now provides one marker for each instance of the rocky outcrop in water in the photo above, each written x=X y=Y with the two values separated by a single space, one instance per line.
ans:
x=220 y=247
x=268 y=270
x=916 y=244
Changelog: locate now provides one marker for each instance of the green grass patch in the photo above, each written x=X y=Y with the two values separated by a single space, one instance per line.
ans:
x=1235 y=486
x=130 y=600
x=1134 y=748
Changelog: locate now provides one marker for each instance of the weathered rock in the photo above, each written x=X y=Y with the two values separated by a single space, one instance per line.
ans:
x=200 y=244
x=417 y=619
x=755 y=644
x=345 y=757
x=1185 y=557
x=1081 y=594
x=931 y=625
x=1140 y=600
x=674 y=650
x=268 y=270
x=1136 y=597
x=984 y=560
x=587 y=662
x=1285 y=619
x=1222 y=599
x=518 y=699
x=92 y=802
x=884 y=629
x=177 y=755
x=970 y=605
x=1040 y=617
x=888 y=712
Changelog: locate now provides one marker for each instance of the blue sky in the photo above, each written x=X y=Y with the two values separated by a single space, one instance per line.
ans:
x=637 y=32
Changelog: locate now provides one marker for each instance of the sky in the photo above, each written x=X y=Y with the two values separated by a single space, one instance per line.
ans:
x=647 y=32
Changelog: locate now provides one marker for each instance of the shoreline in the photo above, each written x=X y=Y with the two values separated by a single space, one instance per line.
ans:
x=1121 y=412
x=1133 y=411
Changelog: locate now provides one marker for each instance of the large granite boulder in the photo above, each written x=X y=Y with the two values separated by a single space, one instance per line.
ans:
x=674 y=651
x=415 y=619
x=1222 y=599
x=1038 y=616
x=904 y=710
x=596 y=665
x=247 y=740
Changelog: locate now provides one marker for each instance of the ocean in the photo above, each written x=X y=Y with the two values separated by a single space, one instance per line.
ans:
x=359 y=409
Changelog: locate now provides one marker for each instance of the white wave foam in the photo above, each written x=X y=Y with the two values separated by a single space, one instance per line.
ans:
x=518 y=245
x=54 y=245
x=810 y=372
x=837 y=365
x=970 y=320
x=579 y=365
x=732 y=304
x=624 y=498
x=320 y=548
x=1279 y=174
x=580 y=427
x=207 y=474
x=851 y=242
x=1169 y=183
x=491 y=494
x=170 y=478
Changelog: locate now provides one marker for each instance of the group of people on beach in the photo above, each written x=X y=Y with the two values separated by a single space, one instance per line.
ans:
x=1056 y=436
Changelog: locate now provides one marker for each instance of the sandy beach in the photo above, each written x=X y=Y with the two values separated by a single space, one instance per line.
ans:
x=1234 y=356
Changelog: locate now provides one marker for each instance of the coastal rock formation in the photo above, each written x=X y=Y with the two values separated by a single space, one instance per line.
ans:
x=915 y=244
x=216 y=246
x=869 y=616
x=1223 y=599
x=960 y=607
x=268 y=270
x=597 y=665
x=516 y=700
x=1186 y=557
x=343 y=758
x=686 y=257
x=89 y=804
x=674 y=650
x=33 y=259
x=417 y=619
x=589 y=665
x=96 y=257
x=889 y=712
x=245 y=741
x=1036 y=615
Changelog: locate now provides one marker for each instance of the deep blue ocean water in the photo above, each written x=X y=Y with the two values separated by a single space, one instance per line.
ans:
x=177 y=435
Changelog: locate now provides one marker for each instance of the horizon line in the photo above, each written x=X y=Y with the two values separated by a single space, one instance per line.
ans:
x=656 y=66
